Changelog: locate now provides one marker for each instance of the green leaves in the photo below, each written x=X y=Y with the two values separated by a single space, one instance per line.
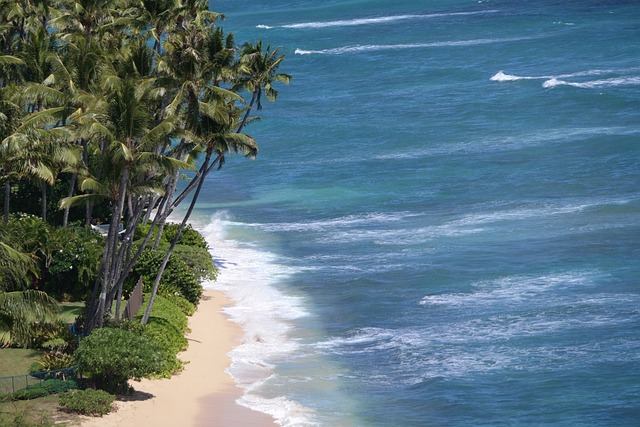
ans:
x=20 y=311
x=114 y=355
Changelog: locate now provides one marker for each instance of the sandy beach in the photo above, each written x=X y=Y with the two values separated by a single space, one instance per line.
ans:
x=203 y=394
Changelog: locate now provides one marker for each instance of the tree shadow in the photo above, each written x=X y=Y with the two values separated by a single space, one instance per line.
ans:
x=135 y=396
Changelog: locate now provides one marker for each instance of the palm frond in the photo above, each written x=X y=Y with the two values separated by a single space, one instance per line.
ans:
x=10 y=60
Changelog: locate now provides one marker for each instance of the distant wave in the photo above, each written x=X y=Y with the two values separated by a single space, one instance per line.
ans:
x=619 y=81
x=551 y=81
x=500 y=76
x=334 y=223
x=369 y=21
x=375 y=47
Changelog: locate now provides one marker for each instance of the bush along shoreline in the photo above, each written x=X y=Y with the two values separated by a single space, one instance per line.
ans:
x=127 y=349
x=122 y=350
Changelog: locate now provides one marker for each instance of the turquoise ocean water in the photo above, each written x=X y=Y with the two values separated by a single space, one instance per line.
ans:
x=442 y=227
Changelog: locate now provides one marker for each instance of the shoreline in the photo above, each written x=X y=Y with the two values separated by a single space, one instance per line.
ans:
x=202 y=394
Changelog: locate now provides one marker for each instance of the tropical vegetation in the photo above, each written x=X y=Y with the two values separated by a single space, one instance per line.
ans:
x=113 y=114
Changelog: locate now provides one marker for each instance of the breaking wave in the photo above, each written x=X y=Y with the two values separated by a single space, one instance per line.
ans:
x=370 y=48
x=374 y=20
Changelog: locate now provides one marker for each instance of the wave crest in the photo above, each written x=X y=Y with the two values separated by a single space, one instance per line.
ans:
x=369 y=48
x=626 y=77
x=375 y=20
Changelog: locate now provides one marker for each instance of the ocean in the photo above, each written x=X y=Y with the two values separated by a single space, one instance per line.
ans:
x=442 y=227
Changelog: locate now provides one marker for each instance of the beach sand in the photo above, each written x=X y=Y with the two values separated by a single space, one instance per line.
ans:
x=203 y=394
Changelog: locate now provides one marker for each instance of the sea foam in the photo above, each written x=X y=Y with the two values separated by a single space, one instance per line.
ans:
x=618 y=78
x=248 y=276
x=374 y=20
x=376 y=47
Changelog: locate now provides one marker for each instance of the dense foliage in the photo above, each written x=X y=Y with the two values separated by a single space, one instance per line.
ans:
x=65 y=260
x=104 y=107
x=87 y=402
x=112 y=356
x=178 y=277
x=166 y=327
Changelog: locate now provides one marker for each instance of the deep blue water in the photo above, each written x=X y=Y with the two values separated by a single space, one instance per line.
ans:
x=442 y=227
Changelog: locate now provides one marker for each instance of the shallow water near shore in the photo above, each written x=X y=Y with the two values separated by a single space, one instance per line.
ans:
x=443 y=224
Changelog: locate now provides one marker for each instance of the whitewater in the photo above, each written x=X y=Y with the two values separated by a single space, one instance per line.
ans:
x=443 y=224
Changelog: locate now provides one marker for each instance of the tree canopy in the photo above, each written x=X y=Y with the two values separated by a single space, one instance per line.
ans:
x=104 y=105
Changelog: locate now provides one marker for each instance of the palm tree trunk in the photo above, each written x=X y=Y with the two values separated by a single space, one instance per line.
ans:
x=246 y=115
x=109 y=258
x=72 y=185
x=44 y=201
x=7 y=196
x=165 y=260
x=164 y=215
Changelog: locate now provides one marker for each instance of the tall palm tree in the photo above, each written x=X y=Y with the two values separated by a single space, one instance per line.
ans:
x=257 y=72
x=217 y=119
x=124 y=120
x=10 y=119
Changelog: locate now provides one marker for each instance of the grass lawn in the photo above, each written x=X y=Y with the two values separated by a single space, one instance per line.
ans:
x=70 y=310
x=37 y=412
x=16 y=361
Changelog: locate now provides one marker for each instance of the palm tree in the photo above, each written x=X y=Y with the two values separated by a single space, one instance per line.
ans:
x=216 y=120
x=123 y=118
x=10 y=118
x=140 y=90
x=257 y=71
x=20 y=311
x=16 y=268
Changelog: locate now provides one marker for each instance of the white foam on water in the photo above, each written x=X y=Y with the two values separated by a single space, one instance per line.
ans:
x=512 y=290
x=372 y=48
x=475 y=223
x=284 y=411
x=508 y=143
x=594 y=84
x=248 y=276
x=511 y=323
x=621 y=77
x=501 y=76
x=374 y=20
x=335 y=223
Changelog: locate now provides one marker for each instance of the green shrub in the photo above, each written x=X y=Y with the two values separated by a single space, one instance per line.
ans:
x=31 y=392
x=45 y=388
x=188 y=237
x=199 y=261
x=67 y=259
x=185 y=306
x=87 y=402
x=75 y=255
x=176 y=279
x=170 y=341
x=164 y=308
x=166 y=327
x=36 y=367
x=113 y=356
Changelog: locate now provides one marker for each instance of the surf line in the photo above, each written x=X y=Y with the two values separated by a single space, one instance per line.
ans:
x=554 y=81
x=370 y=21
x=370 y=48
